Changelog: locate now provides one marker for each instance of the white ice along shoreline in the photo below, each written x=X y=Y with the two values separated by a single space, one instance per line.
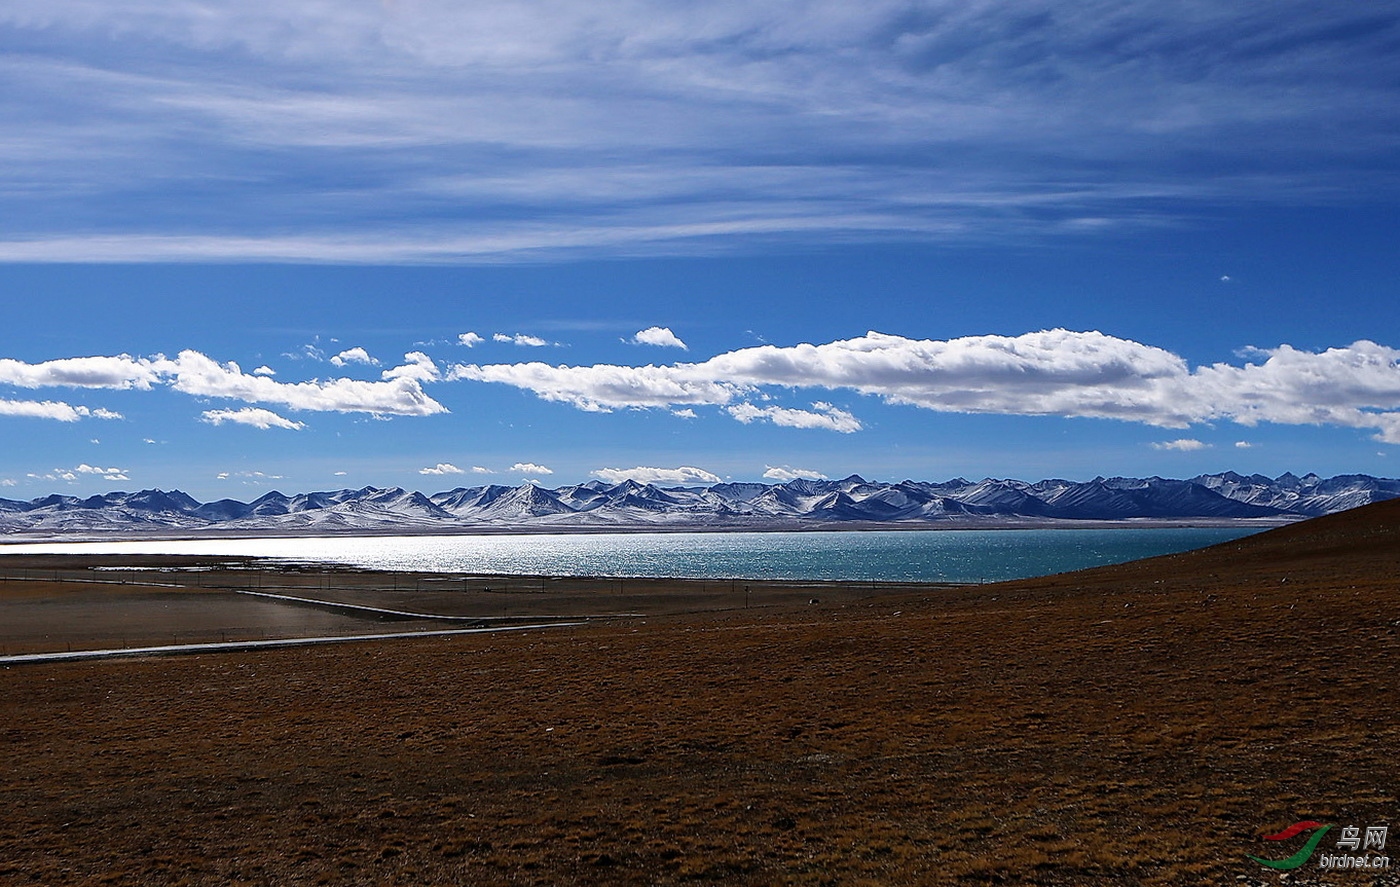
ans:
x=796 y=504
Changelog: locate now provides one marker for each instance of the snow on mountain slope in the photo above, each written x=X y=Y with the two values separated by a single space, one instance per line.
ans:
x=598 y=504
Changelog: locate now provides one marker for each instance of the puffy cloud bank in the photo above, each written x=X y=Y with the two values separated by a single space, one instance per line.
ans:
x=398 y=393
x=1048 y=373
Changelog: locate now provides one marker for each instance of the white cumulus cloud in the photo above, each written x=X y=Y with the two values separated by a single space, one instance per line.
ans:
x=442 y=468
x=416 y=366
x=264 y=370
x=685 y=474
x=660 y=336
x=72 y=474
x=120 y=372
x=529 y=468
x=822 y=415
x=251 y=475
x=53 y=409
x=520 y=339
x=471 y=340
x=1182 y=445
x=352 y=355
x=104 y=473
x=786 y=473
x=604 y=387
x=254 y=416
x=194 y=373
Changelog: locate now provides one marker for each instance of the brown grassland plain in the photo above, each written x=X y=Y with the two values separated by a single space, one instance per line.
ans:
x=1140 y=724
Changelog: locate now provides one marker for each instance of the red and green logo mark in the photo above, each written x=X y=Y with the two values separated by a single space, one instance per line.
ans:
x=1304 y=853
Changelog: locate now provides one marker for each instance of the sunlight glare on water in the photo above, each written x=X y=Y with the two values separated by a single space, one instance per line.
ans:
x=937 y=556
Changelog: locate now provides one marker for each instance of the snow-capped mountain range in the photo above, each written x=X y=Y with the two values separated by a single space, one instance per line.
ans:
x=596 y=505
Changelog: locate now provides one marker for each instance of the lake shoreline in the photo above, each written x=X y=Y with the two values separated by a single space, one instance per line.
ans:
x=52 y=605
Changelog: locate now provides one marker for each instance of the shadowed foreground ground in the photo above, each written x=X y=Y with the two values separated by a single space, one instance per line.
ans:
x=1143 y=724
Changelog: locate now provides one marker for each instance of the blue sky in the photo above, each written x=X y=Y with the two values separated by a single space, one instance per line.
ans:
x=243 y=248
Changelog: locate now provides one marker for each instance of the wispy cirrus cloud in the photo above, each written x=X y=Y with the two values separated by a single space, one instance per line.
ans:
x=1047 y=373
x=543 y=128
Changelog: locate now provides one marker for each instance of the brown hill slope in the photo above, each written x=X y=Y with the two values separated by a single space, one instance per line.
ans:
x=1339 y=550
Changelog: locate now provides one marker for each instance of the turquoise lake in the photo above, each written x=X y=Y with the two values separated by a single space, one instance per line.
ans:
x=893 y=556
